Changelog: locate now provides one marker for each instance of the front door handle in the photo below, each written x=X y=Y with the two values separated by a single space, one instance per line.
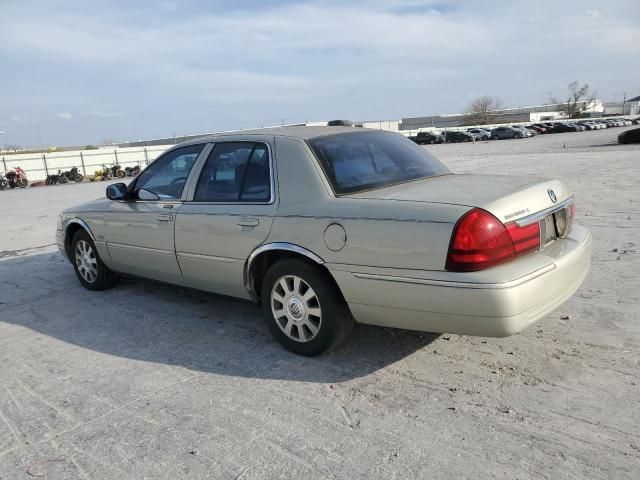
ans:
x=248 y=222
x=165 y=217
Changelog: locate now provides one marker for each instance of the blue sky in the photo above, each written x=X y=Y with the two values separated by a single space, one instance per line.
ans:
x=84 y=71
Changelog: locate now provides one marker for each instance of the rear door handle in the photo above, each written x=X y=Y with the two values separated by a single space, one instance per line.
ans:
x=248 y=222
x=165 y=217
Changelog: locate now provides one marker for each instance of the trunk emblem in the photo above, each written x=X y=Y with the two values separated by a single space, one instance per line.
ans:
x=552 y=195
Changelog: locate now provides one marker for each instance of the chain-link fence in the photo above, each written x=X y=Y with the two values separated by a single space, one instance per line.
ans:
x=38 y=165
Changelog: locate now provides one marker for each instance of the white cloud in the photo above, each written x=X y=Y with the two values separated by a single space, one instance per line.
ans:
x=64 y=116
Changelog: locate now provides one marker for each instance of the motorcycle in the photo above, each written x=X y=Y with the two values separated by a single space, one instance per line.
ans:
x=55 y=178
x=132 y=171
x=17 y=178
x=73 y=175
x=101 y=175
x=3 y=181
x=116 y=171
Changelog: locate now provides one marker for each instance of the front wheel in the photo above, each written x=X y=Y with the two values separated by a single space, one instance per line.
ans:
x=121 y=174
x=23 y=182
x=92 y=273
x=79 y=177
x=303 y=308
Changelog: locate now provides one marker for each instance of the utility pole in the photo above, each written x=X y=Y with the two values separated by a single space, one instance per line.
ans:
x=39 y=138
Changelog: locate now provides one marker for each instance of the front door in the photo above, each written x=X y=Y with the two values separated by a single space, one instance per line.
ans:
x=140 y=231
x=229 y=214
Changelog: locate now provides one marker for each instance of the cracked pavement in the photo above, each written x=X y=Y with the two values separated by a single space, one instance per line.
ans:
x=153 y=381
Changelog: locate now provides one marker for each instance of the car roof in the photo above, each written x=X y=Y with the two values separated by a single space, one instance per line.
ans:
x=300 y=132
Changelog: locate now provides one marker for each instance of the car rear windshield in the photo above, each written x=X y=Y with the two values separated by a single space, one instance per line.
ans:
x=366 y=160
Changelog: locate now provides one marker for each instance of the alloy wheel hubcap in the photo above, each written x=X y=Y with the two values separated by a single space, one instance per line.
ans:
x=296 y=308
x=86 y=261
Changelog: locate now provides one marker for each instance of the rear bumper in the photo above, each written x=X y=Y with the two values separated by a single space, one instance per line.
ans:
x=454 y=303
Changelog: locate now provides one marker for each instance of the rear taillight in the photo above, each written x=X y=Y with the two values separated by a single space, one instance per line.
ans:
x=525 y=239
x=481 y=241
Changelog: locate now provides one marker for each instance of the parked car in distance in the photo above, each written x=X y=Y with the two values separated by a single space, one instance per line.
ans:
x=564 y=127
x=500 y=133
x=424 y=138
x=525 y=131
x=537 y=129
x=324 y=225
x=630 y=136
x=480 y=133
x=340 y=123
x=454 y=136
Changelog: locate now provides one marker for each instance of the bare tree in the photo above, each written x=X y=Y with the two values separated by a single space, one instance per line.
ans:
x=578 y=101
x=481 y=110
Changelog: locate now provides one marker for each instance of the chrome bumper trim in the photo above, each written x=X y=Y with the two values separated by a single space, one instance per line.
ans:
x=447 y=283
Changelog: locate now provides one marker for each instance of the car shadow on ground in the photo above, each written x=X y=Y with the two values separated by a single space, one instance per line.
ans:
x=158 y=323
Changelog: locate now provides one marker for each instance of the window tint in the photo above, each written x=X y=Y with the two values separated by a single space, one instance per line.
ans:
x=235 y=172
x=365 y=160
x=167 y=176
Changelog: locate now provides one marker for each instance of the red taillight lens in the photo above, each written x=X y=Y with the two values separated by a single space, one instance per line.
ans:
x=481 y=241
x=525 y=239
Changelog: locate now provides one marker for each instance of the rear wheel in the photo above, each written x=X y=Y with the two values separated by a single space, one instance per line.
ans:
x=92 y=273
x=303 y=308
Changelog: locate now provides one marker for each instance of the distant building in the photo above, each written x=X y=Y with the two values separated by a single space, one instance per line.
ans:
x=627 y=107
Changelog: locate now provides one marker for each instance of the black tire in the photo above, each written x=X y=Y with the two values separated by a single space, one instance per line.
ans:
x=79 y=177
x=63 y=178
x=104 y=277
x=336 y=320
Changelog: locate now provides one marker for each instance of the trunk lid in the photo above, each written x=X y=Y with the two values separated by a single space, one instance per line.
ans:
x=508 y=197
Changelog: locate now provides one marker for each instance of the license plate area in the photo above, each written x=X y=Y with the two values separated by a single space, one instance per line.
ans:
x=548 y=232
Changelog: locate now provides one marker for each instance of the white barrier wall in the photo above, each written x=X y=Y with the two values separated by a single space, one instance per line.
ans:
x=38 y=165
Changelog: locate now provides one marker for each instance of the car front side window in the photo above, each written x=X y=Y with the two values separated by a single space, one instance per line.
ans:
x=166 y=177
x=235 y=172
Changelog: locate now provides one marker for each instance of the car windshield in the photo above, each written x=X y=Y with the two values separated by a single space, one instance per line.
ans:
x=365 y=160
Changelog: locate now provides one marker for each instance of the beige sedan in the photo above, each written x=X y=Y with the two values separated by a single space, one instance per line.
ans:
x=324 y=226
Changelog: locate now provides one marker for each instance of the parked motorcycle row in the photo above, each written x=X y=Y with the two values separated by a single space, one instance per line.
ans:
x=18 y=178
x=13 y=178
x=72 y=175
x=114 y=171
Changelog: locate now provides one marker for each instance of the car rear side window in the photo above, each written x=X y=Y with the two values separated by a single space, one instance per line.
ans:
x=235 y=172
x=364 y=160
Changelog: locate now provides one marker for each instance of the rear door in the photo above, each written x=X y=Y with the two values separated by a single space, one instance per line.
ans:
x=228 y=213
x=140 y=232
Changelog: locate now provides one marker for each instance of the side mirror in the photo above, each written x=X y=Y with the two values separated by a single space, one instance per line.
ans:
x=117 y=191
x=146 y=194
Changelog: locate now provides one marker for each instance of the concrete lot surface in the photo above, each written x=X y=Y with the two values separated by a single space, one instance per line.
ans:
x=150 y=381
